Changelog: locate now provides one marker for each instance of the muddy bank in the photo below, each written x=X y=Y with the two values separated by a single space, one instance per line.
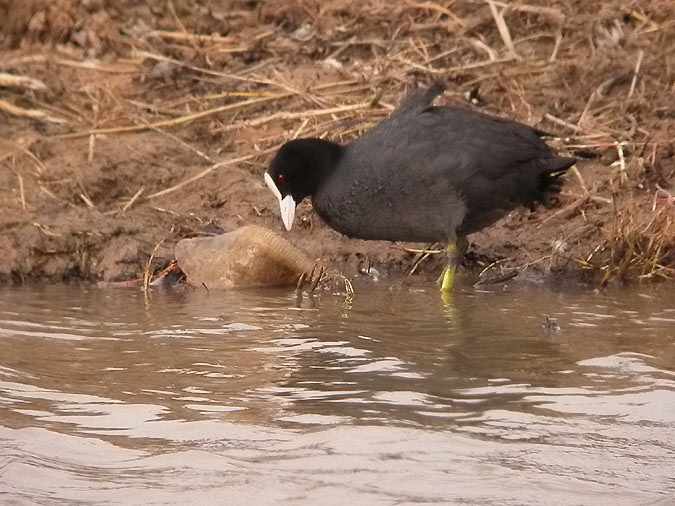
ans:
x=154 y=125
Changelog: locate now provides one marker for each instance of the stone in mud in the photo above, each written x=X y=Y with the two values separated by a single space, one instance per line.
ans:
x=250 y=256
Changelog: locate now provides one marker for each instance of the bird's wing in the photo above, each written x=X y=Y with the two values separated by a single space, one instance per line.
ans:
x=481 y=157
x=494 y=164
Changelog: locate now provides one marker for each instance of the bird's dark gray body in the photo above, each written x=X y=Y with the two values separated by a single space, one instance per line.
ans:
x=431 y=173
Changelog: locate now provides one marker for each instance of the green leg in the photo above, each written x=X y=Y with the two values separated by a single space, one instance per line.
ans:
x=449 y=271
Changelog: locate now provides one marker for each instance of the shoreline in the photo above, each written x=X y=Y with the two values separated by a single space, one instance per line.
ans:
x=111 y=155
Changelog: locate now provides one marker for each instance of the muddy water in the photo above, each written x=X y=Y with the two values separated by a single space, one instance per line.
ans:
x=393 y=397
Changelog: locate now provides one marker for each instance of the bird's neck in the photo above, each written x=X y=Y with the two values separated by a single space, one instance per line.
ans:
x=323 y=157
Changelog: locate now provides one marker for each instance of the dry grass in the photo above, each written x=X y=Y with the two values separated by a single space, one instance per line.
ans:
x=636 y=246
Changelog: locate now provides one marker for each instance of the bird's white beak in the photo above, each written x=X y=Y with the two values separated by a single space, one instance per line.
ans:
x=286 y=204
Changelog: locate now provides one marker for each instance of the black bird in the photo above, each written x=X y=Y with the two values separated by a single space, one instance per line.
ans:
x=425 y=174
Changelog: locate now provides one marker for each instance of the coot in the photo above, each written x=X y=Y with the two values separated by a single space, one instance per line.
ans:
x=425 y=174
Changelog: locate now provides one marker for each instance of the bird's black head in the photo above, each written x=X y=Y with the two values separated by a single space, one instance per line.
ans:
x=298 y=170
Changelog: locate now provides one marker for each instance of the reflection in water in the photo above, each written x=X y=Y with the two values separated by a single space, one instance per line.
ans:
x=393 y=397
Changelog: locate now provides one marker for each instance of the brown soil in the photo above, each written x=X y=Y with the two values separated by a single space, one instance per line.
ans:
x=67 y=196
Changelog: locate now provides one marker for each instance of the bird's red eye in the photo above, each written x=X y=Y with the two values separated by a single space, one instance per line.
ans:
x=281 y=179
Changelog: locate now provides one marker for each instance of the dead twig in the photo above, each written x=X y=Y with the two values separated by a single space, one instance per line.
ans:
x=234 y=77
x=83 y=196
x=552 y=13
x=457 y=69
x=36 y=114
x=623 y=175
x=636 y=72
x=14 y=81
x=479 y=44
x=51 y=195
x=172 y=122
x=22 y=193
x=437 y=8
x=503 y=28
x=421 y=256
x=322 y=271
x=556 y=47
x=501 y=277
x=567 y=211
x=201 y=38
x=582 y=183
x=133 y=199
x=120 y=67
x=180 y=141
x=295 y=115
x=200 y=175
x=301 y=281
x=147 y=274
x=563 y=123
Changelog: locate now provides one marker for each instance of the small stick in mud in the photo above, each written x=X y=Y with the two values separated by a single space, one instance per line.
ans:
x=113 y=68
x=300 y=129
x=133 y=199
x=37 y=114
x=22 y=193
x=421 y=256
x=311 y=274
x=51 y=195
x=582 y=183
x=438 y=8
x=171 y=122
x=147 y=274
x=14 y=81
x=190 y=37
x=501 y=277
x=301 y=281
x=623 y=176
x=294 y=115
x=594 y=198
x=556 y=47
x=636 y=72
x=491 y=266
x=503 y=28
x=567 y=211
x=181 y=25
x=92 y=145
x=562 y=122
x=202 y=174
x=87 y=201
x=322 y=271
x=183 y=143
x=225 y=75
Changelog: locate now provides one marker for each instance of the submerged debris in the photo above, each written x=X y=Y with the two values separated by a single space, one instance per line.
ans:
x=551 y=325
